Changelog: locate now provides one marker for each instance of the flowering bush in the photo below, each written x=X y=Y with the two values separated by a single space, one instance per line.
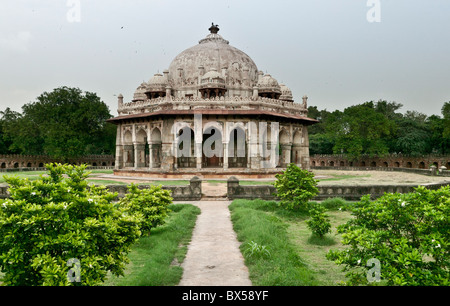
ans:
x=295 y=187
x=49 y=224
x=150 y=204
x=407 y=233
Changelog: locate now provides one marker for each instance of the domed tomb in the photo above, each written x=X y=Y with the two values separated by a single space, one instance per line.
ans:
x=158 y=132
x=214 y=53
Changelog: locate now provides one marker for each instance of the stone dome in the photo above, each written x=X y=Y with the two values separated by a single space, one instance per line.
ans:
x=268 y=81
x=286 y=93
x=214 y=52
x=213 y=74
x=157 y=83
x=158 y=79
x=139 y=94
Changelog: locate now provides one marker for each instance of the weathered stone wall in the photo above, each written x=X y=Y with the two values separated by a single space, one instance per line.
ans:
x=16 y=161
x=390 y=161
x=433 y=171
x=191 y=192
x=351 y=193
x=236 y=191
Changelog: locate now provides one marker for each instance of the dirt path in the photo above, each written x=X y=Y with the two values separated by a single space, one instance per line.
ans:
x=213 y=257
x=375 y=178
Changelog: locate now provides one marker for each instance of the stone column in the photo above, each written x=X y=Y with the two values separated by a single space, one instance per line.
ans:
x=136 y=155
x=286 y=150
x=199 y=154
x=119 y=149
x=119 y=157
x=225 y=156
x=167 y=157
x=128 y=155
x=150 y=153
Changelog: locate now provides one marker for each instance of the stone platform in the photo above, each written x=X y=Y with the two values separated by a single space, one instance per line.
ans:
x=205 y=173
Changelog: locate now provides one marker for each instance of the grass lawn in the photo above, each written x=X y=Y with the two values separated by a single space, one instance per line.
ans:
x=155 y=259
x=340 y=177
x=294 y=257
x=34 y=175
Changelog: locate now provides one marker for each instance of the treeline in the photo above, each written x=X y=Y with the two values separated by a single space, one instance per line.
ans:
x=64 y=123
x=378 y=128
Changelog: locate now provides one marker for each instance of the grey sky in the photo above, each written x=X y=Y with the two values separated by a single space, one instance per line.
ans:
x=325 y=49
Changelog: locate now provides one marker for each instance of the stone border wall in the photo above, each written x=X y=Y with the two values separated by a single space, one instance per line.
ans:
x=350 y=193
x=389 y=161
x=433 y=171
x=191 y=192
x=36 y=162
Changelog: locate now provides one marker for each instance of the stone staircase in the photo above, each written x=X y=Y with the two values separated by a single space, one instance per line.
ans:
x=214 y=191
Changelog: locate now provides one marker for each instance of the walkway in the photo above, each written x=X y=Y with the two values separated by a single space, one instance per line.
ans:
x=213 y=257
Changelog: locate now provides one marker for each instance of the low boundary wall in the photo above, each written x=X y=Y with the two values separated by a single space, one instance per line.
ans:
x=433 y=171
x=191 y=192
x=350 y=193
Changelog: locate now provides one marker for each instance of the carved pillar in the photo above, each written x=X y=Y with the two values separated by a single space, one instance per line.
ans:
x=151 y=161
x=128 y=156
x=286 y=150
x=225 y=156
x=119 y=164
x=198 y=154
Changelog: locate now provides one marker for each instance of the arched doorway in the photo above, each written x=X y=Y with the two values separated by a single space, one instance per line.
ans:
x=155 y=148
x=186 y=148
x=237 y=149
x=128 y=149
x=212 y=144
x=283 y=139
x=141 y=149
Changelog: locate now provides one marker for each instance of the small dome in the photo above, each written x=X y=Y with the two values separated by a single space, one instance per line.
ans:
x=212 y=74
x=157 y=79
x=268 y=81
x=139 y=94
x=269 y=87
x=286 y=93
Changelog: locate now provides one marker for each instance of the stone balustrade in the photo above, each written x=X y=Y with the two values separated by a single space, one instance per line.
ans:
x=181 y=103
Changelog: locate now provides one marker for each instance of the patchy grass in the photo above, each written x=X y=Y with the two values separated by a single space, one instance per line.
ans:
x=296 y=256
x=34 y=175
x=256 y=222
x=340 y=177
x=155 y=259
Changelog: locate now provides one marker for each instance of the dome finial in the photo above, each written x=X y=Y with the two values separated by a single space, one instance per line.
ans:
x=214 y=29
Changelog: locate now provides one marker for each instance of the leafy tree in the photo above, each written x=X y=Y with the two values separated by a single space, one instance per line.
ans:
x=50 y=221
x=321 y=144
x=63 y=123
x=295 y=187
x=436 y=142
x=412 y=136
x=361 y=130
x=446 y=114
x=407 y=233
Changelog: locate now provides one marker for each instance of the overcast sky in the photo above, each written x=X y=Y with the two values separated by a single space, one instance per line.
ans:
x=326 y=49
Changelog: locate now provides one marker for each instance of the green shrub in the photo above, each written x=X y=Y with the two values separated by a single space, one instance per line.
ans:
x=152 y=205
x=407 y=233
x=50 y=224
x=319 y=223
x=295 y=187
